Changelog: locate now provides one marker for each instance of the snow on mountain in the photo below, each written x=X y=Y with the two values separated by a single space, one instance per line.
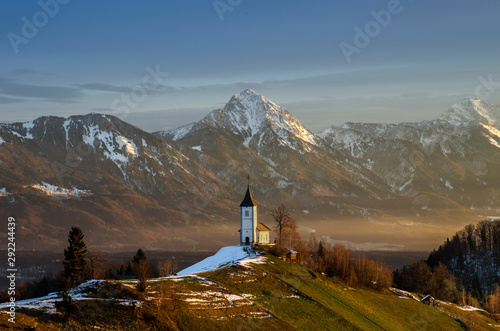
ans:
x=437 y=135
x=248 y=112
x=491 y=134
x=179 y=132
x=472 y=110
x=60 y=192
x=100 y=132
x=409 y=157
x=21 y=130
x=28 y=126
x=247 y=115
x=3 y=192
x=332 y=173
x=114 y=146
x=224 y=257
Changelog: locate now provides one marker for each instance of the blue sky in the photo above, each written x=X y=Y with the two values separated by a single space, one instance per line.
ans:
x=161 y=64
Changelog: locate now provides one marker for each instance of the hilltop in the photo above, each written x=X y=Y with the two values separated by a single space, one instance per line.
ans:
x=254 y=293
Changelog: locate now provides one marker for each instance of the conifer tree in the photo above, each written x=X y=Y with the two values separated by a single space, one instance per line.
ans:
x=74 y=256
x=321 y=250
x=142 y=269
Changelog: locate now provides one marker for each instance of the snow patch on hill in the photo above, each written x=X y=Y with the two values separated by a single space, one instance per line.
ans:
x=226 y=256
x=60 y=192
x=28 y=126
x=47 y=303
x=3 y=192
x=115 y=147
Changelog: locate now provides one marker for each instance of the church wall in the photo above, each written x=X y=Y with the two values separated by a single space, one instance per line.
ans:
x=248 y=224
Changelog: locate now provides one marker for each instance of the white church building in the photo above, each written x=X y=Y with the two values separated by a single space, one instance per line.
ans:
x=251 y=232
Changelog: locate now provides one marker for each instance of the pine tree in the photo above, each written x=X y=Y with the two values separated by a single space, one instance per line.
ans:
x=139 y=256
x=476 y=287
x=142 y=269
x=321 y=250
x=74 y=256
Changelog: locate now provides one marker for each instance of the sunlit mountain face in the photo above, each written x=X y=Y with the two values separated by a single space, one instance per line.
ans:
x=371 y=186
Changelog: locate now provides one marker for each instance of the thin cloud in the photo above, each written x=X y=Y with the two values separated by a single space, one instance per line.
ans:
x=23 y=72
x=5 y=100
x=104 y=87
x=151 y=87
x=53 y=93
x=64 y=101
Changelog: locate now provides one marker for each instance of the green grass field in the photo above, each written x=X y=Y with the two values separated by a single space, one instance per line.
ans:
x=275 y=295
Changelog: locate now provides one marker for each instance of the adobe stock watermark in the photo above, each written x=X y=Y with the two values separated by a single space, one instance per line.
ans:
x=486 y=87
x=372 y=29
x=223 y=6
x=30 y=27
x=151 y=82
x=11 y=267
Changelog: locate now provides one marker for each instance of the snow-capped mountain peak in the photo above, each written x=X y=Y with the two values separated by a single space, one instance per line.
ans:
x=248 y=113
x=472 y=110
x=249 y=100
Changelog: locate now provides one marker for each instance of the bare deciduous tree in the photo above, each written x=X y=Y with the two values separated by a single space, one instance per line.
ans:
x=282 y=221
x=492 y=300
x=290 y=235
x=97 y=264
x=168 y=267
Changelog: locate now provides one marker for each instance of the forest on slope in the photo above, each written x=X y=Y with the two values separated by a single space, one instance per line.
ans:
x=464 y=269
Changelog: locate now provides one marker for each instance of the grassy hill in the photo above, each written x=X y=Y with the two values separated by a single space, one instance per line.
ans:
x=260 y=294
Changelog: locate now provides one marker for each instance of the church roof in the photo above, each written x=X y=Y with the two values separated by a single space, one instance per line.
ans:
x=262 y=227
x=248 y=200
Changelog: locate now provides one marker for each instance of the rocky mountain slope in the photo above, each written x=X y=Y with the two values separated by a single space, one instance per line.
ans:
x=285 y=160
x=121 y=184
x=182 y=188
x=454 y=157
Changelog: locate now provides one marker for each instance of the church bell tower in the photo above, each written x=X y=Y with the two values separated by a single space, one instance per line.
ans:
x=248 y=219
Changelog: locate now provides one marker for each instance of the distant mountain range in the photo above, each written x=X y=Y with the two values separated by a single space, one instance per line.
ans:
x=406 y=184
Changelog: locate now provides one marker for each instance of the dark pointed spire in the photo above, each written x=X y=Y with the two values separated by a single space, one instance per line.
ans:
x=248 y=200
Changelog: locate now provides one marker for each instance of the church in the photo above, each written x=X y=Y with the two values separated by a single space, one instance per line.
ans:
x=251 y=232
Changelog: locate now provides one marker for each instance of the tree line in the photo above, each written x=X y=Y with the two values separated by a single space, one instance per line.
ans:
x=473 y=256
x=334 y=261
x=473 y=240
x=81 y=264
x=464 y=269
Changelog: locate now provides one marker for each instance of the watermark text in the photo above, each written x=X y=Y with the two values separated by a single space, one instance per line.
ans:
x=11 y=267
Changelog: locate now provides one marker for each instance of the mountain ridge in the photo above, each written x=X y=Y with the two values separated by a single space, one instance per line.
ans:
x=357 y=175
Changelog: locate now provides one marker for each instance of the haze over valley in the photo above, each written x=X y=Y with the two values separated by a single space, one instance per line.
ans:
x=369 y=186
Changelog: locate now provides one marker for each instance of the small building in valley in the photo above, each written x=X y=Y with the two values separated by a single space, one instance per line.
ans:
x=290 y=256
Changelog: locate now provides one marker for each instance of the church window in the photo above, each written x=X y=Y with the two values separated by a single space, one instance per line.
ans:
x=247 y=213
